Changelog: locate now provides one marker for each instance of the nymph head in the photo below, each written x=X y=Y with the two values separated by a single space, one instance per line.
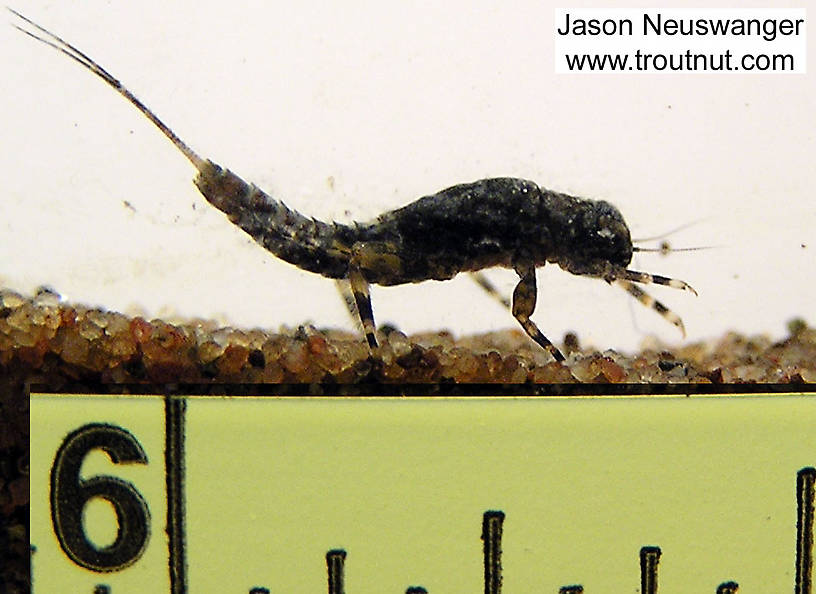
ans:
x=597 y=239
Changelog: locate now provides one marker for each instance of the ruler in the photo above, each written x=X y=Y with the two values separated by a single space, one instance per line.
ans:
x=372 y=495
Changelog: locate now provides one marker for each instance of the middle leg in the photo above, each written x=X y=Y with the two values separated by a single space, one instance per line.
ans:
x=480 y=279
x=524 y=302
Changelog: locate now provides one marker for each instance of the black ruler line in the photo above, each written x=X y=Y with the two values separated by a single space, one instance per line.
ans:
x=492 y=523
x=649 y=558
x=805 y=496
x=335 y=562
x=174 y=409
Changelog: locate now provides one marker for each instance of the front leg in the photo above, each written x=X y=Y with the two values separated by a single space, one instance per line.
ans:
x=524 y=302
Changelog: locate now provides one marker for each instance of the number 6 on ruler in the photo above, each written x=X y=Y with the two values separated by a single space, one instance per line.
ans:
x=70 y=493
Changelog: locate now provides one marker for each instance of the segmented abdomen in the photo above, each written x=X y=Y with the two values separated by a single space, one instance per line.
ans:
x=307 y=243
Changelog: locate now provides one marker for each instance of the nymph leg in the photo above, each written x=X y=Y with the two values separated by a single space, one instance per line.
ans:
x=651 y=303
x=480 y=279
x=359 y=288
x=524 y=302
x=646 y=278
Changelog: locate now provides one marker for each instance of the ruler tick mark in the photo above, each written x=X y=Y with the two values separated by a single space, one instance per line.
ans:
x=174 y=409
x=491 y=535
x=335 y=560
x=649 y=558
x=805 y=497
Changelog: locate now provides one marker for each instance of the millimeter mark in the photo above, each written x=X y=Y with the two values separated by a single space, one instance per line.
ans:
x=174 y=409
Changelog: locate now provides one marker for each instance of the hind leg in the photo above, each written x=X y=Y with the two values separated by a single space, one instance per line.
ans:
x=371 y=260
x=344 y=290
x=359 y=288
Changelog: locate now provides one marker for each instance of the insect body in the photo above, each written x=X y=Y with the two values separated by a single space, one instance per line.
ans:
x=503 y=222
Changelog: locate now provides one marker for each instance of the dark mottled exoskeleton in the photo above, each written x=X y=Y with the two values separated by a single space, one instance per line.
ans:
x=503 y=222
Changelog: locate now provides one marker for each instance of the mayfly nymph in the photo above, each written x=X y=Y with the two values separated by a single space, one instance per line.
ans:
x=505 y=222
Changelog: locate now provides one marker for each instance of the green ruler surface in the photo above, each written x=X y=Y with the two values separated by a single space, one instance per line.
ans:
x=375 y=495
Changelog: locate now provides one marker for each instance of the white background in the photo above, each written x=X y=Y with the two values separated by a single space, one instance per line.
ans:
x=393 y=101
